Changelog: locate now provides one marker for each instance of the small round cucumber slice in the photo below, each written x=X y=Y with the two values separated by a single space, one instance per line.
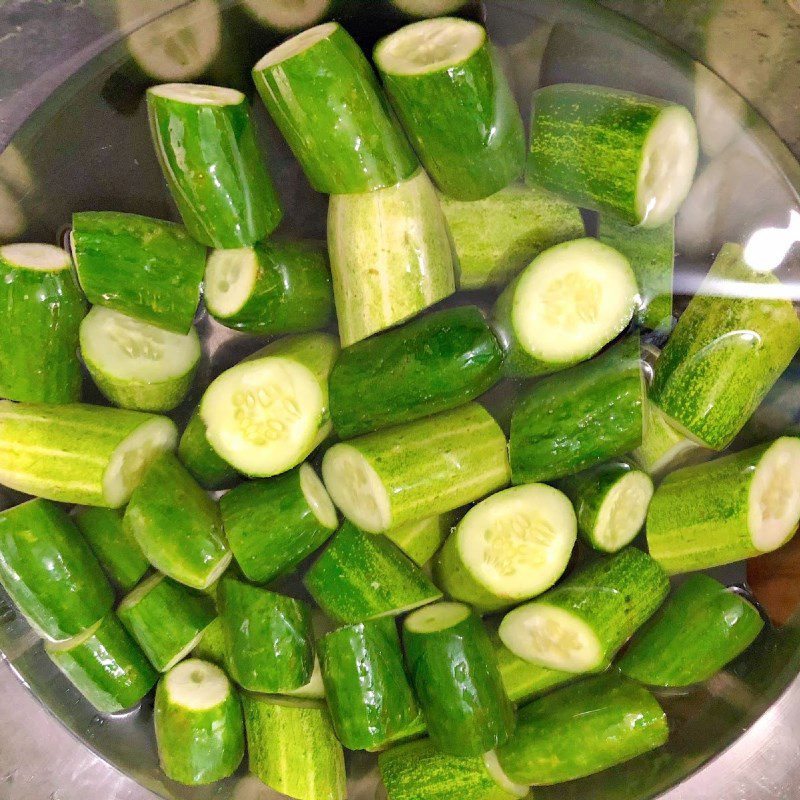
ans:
x=287 y=15
x=297 y=44
x=36 y=257
x=197 y=685
x=229 y=281
x=500 y=777
x=623 y=511
x=198 y=94
x=428 y=8
x=317 y=497
x=437 y=617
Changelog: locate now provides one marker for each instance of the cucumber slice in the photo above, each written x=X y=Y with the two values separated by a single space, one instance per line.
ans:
x=420 y=540
x=287 y=15
x=510 y=547
x=429 y=8
x=570 y=302
x=200 y=458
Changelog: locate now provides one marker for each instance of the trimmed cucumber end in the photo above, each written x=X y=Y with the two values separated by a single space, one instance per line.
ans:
x=36 y=257
x=296 y=45
x=500 y=777
x=287 y=16
x=774 y=508
x=623 y=512
x=218 y=571
x=229 y=280
x=437 y=617
x=197 y=94
x=317 y=497
x=197 y=685
x=314 y=689
x=142 y=590
x=428 y=8
x=181 y=654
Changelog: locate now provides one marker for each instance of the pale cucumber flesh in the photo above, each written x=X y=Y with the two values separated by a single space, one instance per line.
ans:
x=623 y=511
x=774 y=507
x=197 y=685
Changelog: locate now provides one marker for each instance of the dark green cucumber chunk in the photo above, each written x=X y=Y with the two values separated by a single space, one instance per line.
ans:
x=199 y=457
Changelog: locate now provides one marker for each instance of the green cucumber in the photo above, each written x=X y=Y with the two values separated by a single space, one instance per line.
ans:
x=199 y=457
x=105 y=665
x=49 y=571
x=596 y=407
x=145 y=268
x=430 y=8
x=314 y=689
x=421 y=539
x=272 y=525
x=266 y=414
x=42 y=309
x=702 y=627
x=206 y=144
x=288 y=15
x=390 y=256
x=177 y=525
x=736 y=337
x=323 y=96
x=211 y=645
x=726 y=510
x=447 y=85
x=581 y=624
x=508 y=548
x=625 y=155
x=359 y=577
x=198 y=722
x=454 y=671
x=272 y=288
x=583 y=729
x=570 y=302
x=430 y=466
x=431 y=364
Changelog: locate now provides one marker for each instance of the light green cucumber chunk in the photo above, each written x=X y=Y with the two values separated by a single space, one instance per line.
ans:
x=421 y=539
x=623 y=510
x=428 y=8
x=287 y=15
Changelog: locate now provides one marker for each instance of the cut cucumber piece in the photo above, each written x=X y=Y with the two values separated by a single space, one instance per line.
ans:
x=287 y=15
x=429 y=8
x=211 y=645
x=200 y=458
x=726 y=510
x=430 y=466
x=314 y=689
x=420 y=540
x=581 y=624
x=79 y=453
x=510 y=547
x=390 y=256
x=42 y=309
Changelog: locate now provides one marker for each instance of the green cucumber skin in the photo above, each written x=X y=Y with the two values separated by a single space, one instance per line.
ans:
x=50 y=572
x=432 y=364
x=725 y=352
x=329 y=107
x=214 y=170
x=146 y=268
x=268 y=640
x=199 y=457
x=176 y=524
x=596 y=408
x=420 y=540
x=211 y=646
x=270 y=526
x=359 y=577
x=582 y=729
x=522 y=680
x=108 y=669
x=368 y=693
x=702 y=627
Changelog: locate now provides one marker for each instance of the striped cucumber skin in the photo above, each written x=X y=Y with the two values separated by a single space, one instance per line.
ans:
x=213 y=168
x=431 y=364
x=360 y=577
x=105 y=665
x=211 y=646
x=177 y=525
x=327 y=104
x=42 y=311
x=702 y=627
x=49 y=571
x=595 y=407
x=726 y=352
x=293 y=748
x=522 y=680
x=199 y=457
x=146 y=268
x=390 y=256
x=583 y=729
x=420 y=540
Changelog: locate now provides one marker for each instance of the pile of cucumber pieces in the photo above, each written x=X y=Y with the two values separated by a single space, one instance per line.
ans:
x=514 y=679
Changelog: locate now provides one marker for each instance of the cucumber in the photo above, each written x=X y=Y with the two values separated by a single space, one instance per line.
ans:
x=510 y=547
x=105 y=665
x=421 y=539
x=287 y=15
x=266 y=414
x=390 y=256
x=702 y=627
x=429 y=8
x=314 y=689
x=583 y=729
x=447 y=85
x=323 y=96
x=625 y=155
x=360 y=577
x=273 y=288
x=293 y=748
x=206 y=144
x=166 y=619
x=268 y=641
x=211 y=645
x=137 y=365
x=368 y=693
x=79 y=453
x=581 y=624
x=431 y=364
x=146 y=268
x=596 y=407
x=177 y=525
x=42 y=309
x=272 y=525
x=430 y=466
x=611 y=502
x=454 y=671
x=570 y=302
x=199 y=725
x=736 y=337
x=200 y=458
x=115 y=548
x=49 y=571
x=726 y=510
